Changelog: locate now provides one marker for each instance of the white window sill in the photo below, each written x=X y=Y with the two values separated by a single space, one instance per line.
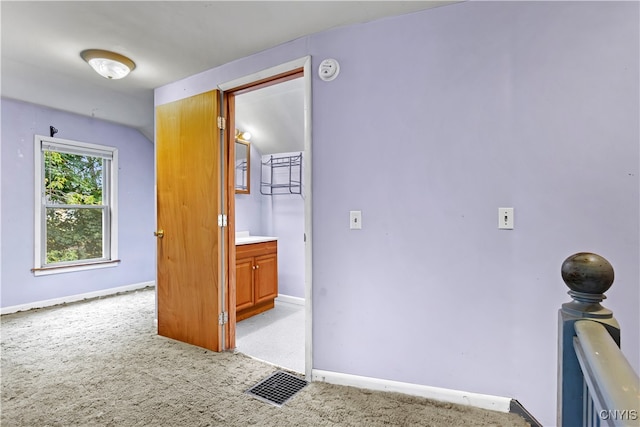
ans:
x=45 y=271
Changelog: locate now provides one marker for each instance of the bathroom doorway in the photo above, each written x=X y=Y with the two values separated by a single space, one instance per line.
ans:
x=275 y=112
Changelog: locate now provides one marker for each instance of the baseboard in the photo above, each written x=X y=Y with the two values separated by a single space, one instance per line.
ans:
x=74 y=298
x=290 y=299
x=484 y=401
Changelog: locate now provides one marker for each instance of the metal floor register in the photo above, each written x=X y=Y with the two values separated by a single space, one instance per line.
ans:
x=278 y=388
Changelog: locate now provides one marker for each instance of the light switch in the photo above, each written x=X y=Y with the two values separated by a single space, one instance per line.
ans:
x=355 y=220
x=505 y=218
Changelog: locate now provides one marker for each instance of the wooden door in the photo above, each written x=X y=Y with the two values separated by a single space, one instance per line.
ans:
x=266 y=278
x=244 y=283
x=188 y=204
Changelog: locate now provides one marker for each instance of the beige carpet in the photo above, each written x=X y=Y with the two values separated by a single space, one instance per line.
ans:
x=100 y=363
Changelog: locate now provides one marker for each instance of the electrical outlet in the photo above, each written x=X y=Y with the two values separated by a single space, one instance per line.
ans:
x=505 y=218
x=355 y=220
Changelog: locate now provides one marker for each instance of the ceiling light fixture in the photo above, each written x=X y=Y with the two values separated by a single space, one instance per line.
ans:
x=110 y=65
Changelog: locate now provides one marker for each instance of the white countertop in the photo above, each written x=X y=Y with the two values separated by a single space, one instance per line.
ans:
x=243 y=238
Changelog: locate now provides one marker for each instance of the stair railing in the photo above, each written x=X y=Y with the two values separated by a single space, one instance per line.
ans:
x=596 y=384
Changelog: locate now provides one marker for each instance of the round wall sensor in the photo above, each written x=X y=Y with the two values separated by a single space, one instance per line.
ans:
x=329 y=69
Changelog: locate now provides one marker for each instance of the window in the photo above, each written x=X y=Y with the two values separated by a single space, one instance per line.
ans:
x=76 y=215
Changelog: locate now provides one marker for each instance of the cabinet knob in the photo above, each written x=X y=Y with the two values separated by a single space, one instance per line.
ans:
x=257 y=266
x=254 y=267
x=159 y=233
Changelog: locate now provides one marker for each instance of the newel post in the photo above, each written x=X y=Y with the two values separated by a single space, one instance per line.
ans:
x=588 y=277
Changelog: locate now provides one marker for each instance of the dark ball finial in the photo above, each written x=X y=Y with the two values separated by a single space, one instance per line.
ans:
x=587 y=273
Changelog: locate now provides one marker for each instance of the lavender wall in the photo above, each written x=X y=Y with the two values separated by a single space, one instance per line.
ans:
x=288 y=225
x=284 y=216
x=477 y=105
x=20 y=122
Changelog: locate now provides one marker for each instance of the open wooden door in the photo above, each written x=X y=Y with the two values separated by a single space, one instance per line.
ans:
x=188 y=203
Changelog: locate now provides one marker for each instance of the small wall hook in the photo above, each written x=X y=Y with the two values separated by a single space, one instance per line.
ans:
x=52 y=131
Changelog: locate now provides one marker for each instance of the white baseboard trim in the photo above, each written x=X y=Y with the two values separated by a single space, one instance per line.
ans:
x=289 y=299
x=74 y=298
x=484 y=401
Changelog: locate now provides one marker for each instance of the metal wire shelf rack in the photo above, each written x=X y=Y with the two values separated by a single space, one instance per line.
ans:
x=281 y=175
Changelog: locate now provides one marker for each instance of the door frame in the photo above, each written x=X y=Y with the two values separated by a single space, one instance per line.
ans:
x=253 y=80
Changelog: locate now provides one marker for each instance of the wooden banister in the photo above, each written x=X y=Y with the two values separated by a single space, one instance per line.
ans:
x=596 y=384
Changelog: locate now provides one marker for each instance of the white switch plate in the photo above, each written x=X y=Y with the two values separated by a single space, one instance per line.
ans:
x=355 y=220
x=505 y=218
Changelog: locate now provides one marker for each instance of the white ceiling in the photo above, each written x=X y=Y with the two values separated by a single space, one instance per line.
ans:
x=168 y=40
x=275 y=117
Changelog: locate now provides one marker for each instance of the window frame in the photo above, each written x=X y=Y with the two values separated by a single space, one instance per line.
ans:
x=109 y=205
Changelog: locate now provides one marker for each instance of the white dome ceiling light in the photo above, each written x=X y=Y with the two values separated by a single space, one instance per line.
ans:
x=110 y=65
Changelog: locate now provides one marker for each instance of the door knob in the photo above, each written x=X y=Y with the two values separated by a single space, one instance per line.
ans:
x=159 y=233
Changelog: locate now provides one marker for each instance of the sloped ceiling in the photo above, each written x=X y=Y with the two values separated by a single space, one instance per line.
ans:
x=274 y=116
x=168 y=41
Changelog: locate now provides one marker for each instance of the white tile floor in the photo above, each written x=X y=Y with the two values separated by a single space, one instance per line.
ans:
x=275 y=336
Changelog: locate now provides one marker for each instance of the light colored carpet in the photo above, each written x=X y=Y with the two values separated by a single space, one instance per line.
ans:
x=101 y=363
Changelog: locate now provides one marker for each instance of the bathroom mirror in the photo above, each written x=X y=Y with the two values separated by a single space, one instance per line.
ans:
x=243 y=151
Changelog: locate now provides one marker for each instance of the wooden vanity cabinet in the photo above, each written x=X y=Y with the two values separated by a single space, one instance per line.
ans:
x=256 y=278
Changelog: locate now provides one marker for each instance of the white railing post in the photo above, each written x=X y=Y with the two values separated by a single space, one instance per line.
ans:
x=588 y=277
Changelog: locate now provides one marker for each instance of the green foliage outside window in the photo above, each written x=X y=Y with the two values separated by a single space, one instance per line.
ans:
x=74 y=206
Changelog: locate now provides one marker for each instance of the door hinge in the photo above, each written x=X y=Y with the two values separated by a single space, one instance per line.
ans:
x=222 y=220
x=222 y=122
x=223 y=318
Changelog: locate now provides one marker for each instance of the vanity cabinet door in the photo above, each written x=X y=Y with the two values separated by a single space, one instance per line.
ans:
x=244 y=283
x=256 y=278
x=266 y=278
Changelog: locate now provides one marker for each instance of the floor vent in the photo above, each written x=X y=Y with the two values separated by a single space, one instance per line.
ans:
x=277 y=388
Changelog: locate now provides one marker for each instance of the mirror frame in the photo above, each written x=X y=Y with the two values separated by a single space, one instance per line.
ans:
x=247 y=144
